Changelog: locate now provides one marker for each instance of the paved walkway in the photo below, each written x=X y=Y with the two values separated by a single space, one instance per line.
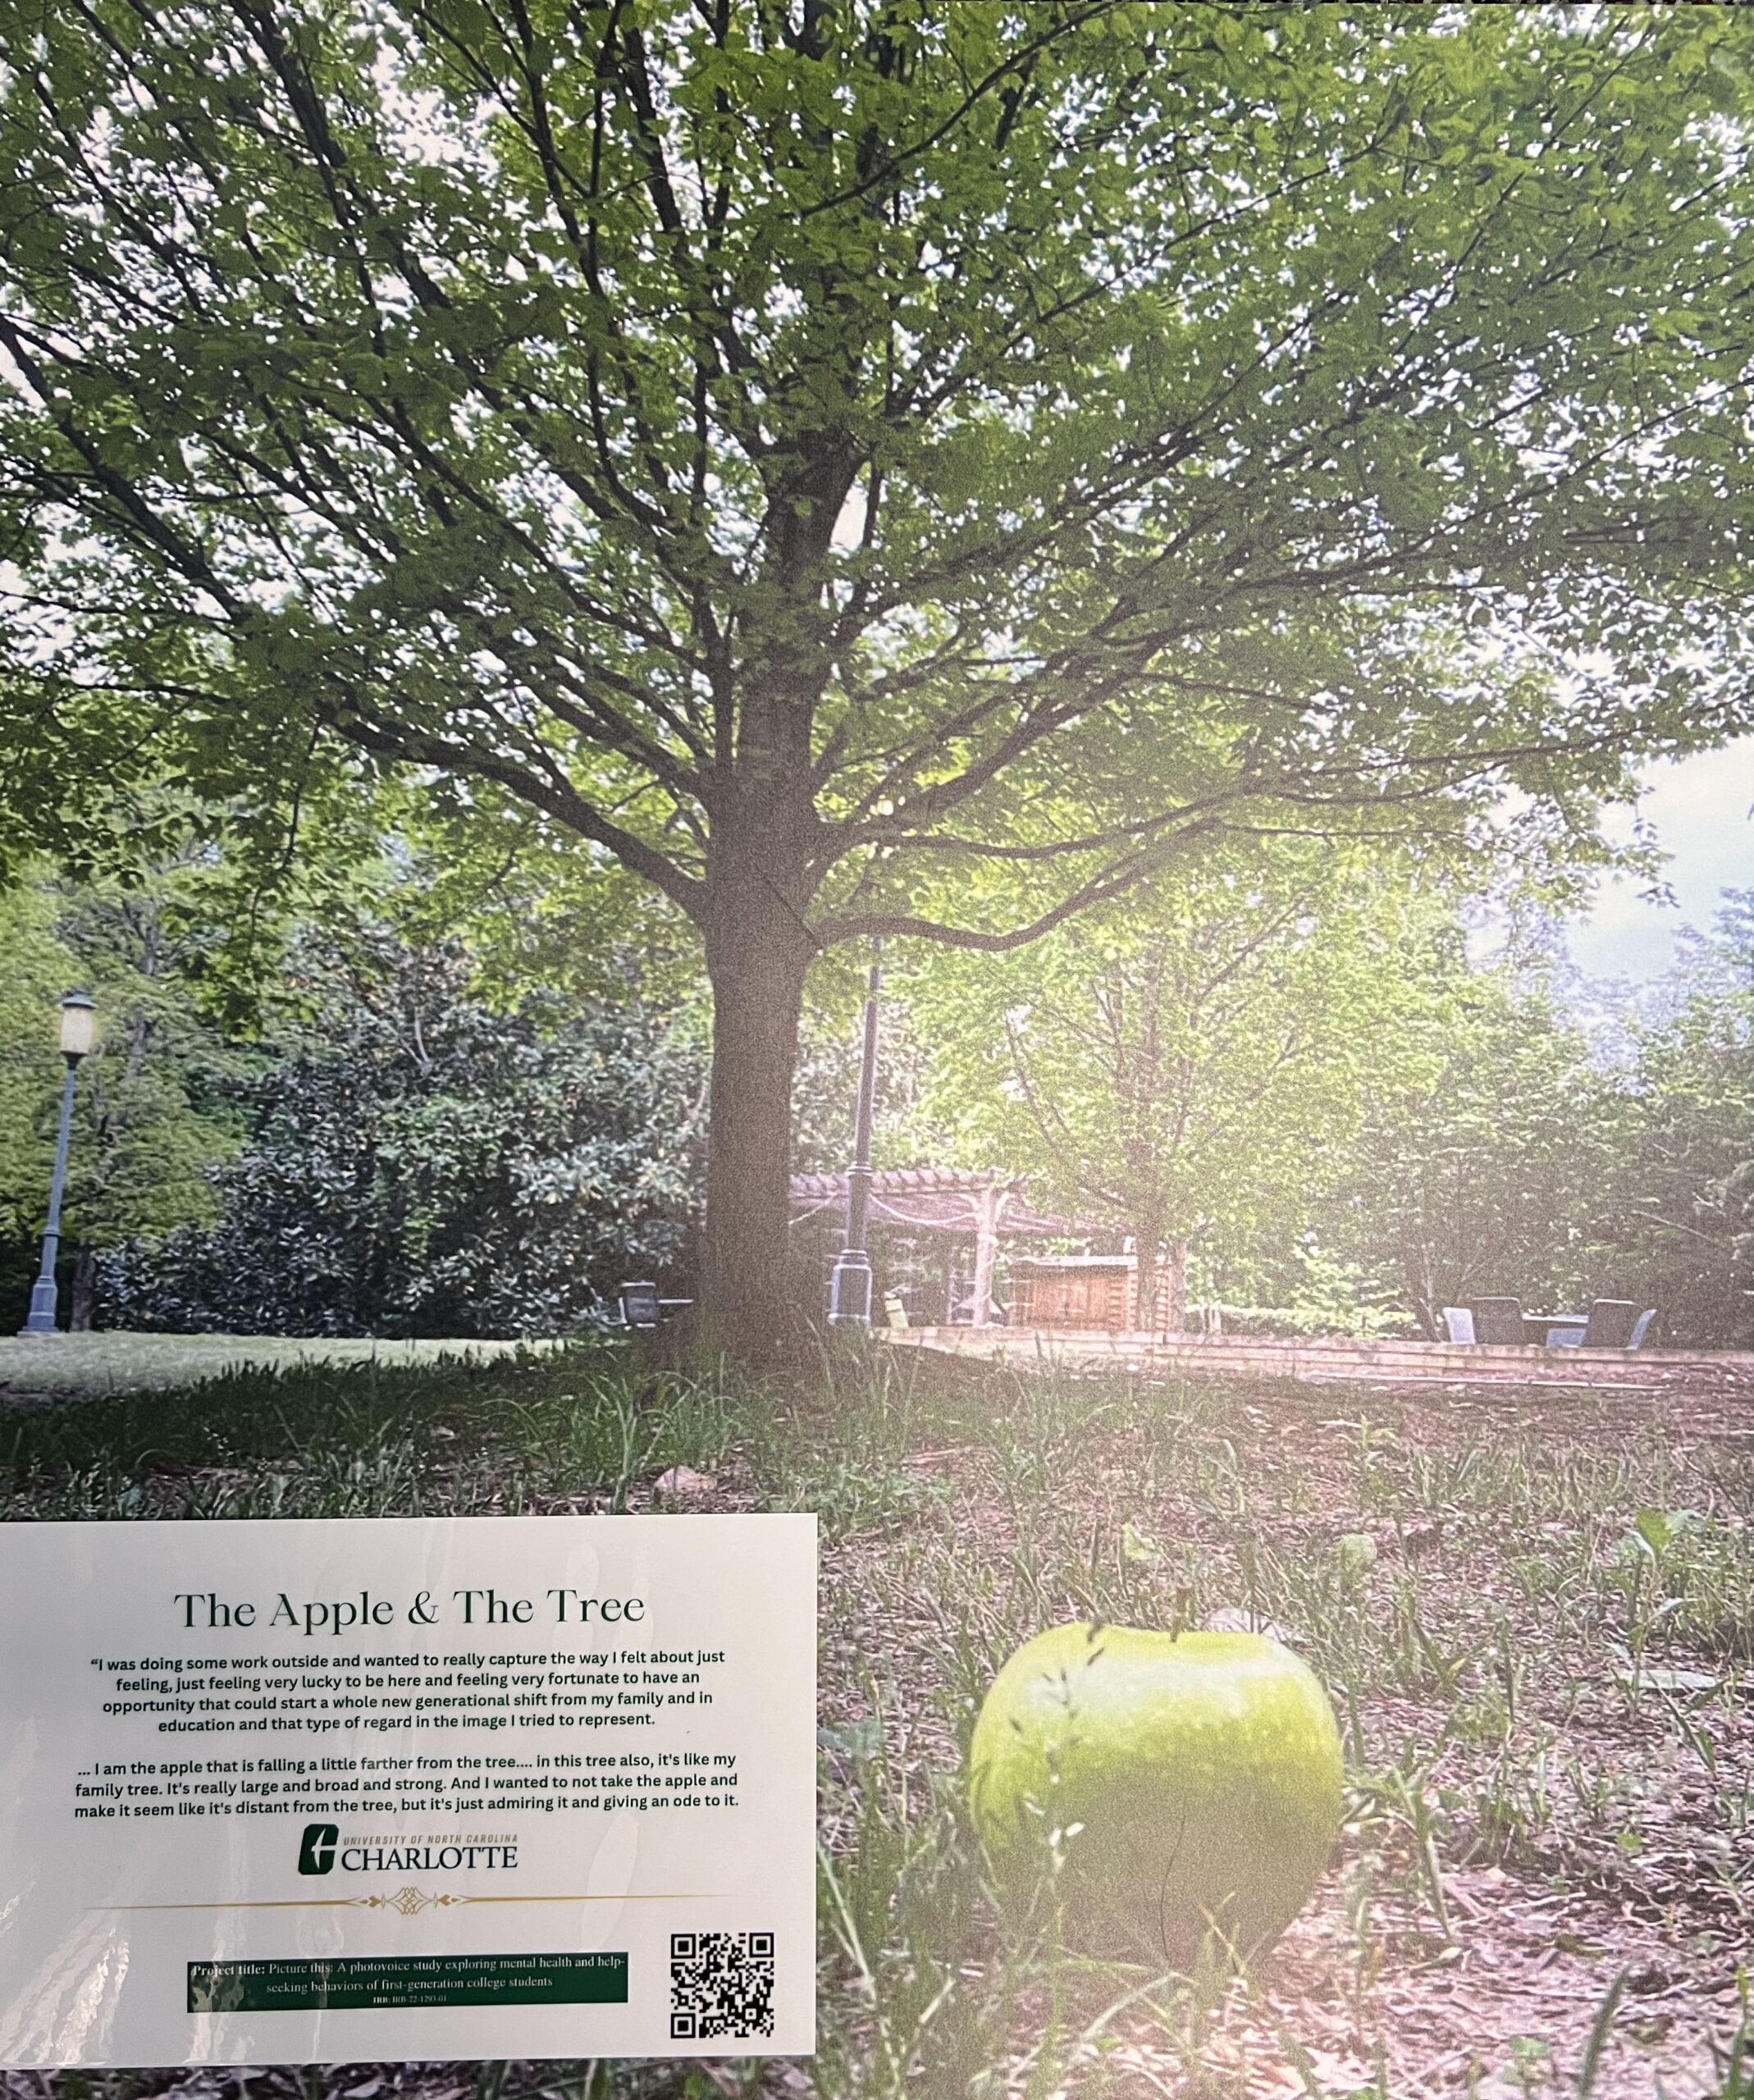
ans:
x=1382 y=1363
x=85 y=1366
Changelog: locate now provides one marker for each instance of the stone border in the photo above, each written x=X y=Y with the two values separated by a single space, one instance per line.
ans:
x=1386 y=1363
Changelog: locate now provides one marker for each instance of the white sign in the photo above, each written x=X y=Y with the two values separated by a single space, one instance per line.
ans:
x=475 y=1786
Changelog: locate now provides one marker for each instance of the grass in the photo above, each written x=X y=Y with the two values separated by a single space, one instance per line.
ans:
x=526 y=1432
x=1536 y=1619
x=85 y=1366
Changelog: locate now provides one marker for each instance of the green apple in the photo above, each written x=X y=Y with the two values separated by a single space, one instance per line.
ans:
x=1188 y=1782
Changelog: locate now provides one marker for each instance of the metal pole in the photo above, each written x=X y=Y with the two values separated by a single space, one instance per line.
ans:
x=41 y=1320
x=850 y=1286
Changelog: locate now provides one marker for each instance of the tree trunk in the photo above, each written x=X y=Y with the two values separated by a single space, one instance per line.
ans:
x=762 y=839
x=84 y=1289
x=1145 y=1280
x=757 y=969
x=1173 y=1295
x=1151 y=1281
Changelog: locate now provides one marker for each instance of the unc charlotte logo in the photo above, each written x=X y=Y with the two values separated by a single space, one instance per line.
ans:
x=316 y=1851
x=321 y=1851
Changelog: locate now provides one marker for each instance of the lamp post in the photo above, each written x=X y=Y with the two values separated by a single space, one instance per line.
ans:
x=850 y=1286
x=78 y=1026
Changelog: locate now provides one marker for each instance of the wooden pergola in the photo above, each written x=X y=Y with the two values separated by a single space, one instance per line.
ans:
x=958 y=1203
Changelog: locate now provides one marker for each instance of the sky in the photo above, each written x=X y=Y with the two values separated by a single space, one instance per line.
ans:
x=1701 y=809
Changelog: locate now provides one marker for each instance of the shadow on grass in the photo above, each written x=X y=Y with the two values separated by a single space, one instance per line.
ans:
x=530 y=1431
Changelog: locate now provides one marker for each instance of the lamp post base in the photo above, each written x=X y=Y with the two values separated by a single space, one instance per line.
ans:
x=850 y=1291
x=41 y=1318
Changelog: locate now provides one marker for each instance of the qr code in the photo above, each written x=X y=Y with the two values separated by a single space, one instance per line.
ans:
x=721 y=1986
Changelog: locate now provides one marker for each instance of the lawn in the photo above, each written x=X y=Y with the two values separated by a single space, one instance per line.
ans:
x=1541 y=1661
x=77 y=1366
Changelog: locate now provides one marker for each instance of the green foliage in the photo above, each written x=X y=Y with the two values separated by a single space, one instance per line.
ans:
x=155 y=1101
x=1029 y=288
x=38 y=969
x=1503 y=1152
x=1330 y=1294
x=907 y=1129
x=1683 y=1220
x=534 y=911
x=151 y=1116
x=1487 y=1147
x=417 y=1163
x=1174 y=1069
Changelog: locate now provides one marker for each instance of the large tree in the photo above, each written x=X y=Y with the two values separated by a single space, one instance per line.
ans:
x=806 y=449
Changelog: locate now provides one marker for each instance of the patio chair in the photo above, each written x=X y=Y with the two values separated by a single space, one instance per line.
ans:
x=1611 y=1322
x=1458 y=1324
x=1498 y=1322
x=1584 y=1337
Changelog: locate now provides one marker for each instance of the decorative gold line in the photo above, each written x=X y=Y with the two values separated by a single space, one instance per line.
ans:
x=382 y=1903
x=283 y=1903
x=678 y=1895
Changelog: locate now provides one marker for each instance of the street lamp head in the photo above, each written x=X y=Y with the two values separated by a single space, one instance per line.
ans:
x=79 y=1025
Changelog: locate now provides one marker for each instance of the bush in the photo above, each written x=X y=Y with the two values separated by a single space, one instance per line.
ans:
x=418 y=1164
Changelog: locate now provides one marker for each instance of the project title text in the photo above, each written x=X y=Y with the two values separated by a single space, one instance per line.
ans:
x=206 y=1611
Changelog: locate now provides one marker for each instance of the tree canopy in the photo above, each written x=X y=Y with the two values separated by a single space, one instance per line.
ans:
x=869 y=466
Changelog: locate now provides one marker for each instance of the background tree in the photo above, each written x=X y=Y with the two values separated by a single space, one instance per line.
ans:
x=1681 y=1220
x=796 y=450
x=39 y=970
x=151 y=1112
x=1489 y=1138
x=1176 y=1070
x=156 y=1110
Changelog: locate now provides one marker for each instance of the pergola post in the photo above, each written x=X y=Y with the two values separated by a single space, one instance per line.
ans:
x=987 y=1205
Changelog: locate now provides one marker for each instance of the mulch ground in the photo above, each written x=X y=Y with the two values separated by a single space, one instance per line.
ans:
x=1540 y=1931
